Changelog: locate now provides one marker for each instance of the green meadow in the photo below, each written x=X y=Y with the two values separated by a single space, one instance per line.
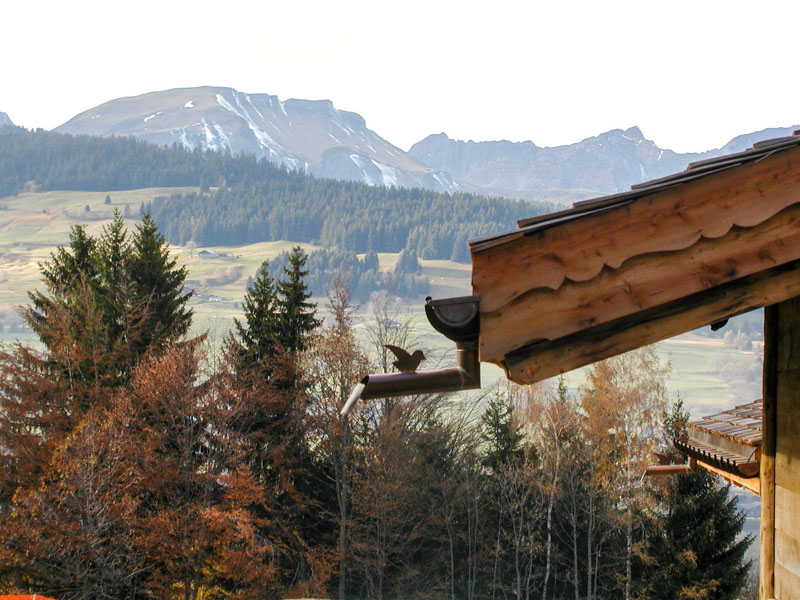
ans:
x=32 y=225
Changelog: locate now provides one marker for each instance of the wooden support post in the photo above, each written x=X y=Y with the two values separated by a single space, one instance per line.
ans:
x=769 y=425
x=785 y=376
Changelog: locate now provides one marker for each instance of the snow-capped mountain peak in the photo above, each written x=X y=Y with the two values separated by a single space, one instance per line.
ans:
x=307 y=135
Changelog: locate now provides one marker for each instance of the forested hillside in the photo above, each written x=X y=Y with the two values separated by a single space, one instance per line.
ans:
x=137 y=465
x=41 y=160
x=244 y=200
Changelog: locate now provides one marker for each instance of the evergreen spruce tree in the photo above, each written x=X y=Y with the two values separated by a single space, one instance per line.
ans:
x=254 y=341
x=277 y=321
x=158 y=282
x=61 y=275
x=114 y=289
x=297 y=316
x=699 y=551
x=107 y=301
x=505 y=441
x=371 y=261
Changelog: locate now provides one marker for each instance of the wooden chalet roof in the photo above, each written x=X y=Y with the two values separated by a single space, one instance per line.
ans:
x=728 y=440
x=612 y=274
x=741 y=425
x=694 y=171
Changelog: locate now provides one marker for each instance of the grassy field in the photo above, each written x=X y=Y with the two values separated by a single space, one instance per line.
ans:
x=32 y=225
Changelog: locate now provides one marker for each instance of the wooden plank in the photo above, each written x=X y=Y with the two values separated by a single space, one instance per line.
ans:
x=787 y=508
x=766 y=576
x=787 y=504
x=749 y=483
x=580 y=208
x=786 y=544
x=789 y=345
x=782 y=384
x=788 y=377
x=788 y=423
x=670 y=220
x=541 y=361
x=787 y=585
x=642 y=283
x=787 y=551
x=787 y=469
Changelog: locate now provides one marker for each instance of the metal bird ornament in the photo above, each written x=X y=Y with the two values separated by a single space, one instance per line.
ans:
x=405 y=363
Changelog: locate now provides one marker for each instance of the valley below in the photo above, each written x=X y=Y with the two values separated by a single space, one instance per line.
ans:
x=709 y=374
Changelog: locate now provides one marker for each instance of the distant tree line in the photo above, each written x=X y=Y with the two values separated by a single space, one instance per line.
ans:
x=339 y=215
x=244 y=200
x=362 y=274
x=44 y=160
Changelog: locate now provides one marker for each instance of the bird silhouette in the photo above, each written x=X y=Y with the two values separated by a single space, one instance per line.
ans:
x=406 y=363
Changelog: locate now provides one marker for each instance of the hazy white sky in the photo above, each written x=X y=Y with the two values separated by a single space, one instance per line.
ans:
x=690 y=74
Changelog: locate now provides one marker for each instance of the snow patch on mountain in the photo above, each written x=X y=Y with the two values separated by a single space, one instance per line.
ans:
x=389 y=174
x=263 y=137
x=222 y=136
x=362 y=163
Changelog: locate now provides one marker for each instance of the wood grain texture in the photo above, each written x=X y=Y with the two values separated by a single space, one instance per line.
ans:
x=787 y=585
x=766 y=576
x=546 y=359
x=782 y=378
x=640 y=284
x=671 y=220
x=787 y=507
x=749 y=483
x=787 y=467
x=787 y=544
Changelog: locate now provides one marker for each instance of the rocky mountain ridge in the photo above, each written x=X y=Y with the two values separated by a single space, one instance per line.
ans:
x=5 y=121
x=604 y=164
x=314 y=137
x=306 y=135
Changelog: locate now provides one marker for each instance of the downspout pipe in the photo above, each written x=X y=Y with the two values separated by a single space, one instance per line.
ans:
x=456 y=318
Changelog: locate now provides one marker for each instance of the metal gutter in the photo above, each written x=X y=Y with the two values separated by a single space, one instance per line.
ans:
x=457 y=319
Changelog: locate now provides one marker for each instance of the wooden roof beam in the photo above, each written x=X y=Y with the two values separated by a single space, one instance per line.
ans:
x=545 y=359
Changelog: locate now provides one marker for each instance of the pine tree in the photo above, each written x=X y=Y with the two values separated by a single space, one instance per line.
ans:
x=115 y=289
x=61 y=275
x=505 y=441
x=297 y=317
x=371 y=261
x=107 y=301
x=263 y=348
x=255 y=340
x=159 y=283
x=698 y=552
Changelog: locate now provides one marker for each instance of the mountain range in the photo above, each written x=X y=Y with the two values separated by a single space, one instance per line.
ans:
x=316 y=138
x=605 y=164
x=306 y=135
